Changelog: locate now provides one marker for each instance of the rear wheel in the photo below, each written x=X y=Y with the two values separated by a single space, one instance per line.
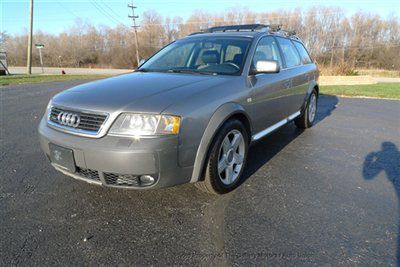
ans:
x=226 y=160
x=307 y=117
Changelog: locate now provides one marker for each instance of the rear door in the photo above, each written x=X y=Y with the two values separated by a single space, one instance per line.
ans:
x=294 y=69
x=308 y=68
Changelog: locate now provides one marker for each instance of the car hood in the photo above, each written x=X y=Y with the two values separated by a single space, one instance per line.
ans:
x=135 y=92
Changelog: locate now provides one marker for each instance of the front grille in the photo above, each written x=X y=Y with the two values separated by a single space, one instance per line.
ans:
x=121 y=179
x=88 y=174
x=88 y=121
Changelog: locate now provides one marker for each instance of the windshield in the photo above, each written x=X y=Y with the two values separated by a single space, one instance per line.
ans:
x=210 y=55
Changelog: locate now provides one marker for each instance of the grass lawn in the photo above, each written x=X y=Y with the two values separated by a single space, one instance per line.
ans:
x=18 y=79
x=384 y=90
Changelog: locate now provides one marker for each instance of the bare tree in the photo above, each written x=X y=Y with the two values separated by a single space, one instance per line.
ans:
x=338 y=42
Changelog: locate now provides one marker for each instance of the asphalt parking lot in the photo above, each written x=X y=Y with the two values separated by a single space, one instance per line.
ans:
x=326 y=195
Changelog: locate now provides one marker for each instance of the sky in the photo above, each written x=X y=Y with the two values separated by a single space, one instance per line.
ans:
x=55 y=16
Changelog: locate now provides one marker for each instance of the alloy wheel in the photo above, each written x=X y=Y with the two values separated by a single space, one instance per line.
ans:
x=231 y=157
x=312 y=108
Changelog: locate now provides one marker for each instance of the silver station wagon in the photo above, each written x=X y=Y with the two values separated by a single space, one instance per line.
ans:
x=188 y=114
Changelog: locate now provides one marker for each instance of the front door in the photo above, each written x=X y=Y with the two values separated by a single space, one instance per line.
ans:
x=268 y=91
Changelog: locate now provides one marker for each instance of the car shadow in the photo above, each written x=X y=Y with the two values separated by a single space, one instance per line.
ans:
x=264 y=150
x=386 y=160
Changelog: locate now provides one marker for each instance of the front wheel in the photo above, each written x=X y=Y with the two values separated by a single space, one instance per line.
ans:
x=307 y=117
x=227 y=159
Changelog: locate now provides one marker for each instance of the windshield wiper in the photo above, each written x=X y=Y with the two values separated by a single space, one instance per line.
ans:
x=177 y=71
x=193 y=72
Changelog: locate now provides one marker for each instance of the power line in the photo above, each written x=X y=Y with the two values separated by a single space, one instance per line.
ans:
x=104 y=12
x=109 y=8
x=198 y=22
x=268 y=18
x=98 y=7
x=67 y=9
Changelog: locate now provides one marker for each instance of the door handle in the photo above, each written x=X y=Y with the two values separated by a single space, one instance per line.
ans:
x=287 y=83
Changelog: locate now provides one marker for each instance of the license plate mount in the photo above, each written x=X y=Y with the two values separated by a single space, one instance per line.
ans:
x=62 y=157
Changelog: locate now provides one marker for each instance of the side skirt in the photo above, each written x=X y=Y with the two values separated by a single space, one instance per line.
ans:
x=274 y=127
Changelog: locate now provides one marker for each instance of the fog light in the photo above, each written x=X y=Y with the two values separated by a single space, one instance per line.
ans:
x=146 y=179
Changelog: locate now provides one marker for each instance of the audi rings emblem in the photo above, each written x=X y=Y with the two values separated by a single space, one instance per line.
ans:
x=68 y=119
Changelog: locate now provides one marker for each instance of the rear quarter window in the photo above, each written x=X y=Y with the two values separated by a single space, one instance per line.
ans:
x=305 y=57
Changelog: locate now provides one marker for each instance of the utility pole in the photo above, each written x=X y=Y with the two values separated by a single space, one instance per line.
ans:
x=134 y=26
x=29 y=60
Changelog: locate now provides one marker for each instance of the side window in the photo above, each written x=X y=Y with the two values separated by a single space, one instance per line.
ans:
x=305 y=57
x=267 y=49
x=289 y=52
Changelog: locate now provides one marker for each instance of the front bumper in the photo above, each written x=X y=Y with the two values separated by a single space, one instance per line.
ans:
x=119 y=161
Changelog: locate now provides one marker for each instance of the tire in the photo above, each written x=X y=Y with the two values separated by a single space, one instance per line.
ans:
x=309 y=113
x=228 y=151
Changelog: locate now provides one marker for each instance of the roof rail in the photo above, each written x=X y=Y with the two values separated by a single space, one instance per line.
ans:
x=245 y=27
x=289 y=33
x=273 y=28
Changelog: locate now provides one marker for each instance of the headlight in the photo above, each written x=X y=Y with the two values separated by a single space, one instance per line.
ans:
x=145 y=124
x=48 y=108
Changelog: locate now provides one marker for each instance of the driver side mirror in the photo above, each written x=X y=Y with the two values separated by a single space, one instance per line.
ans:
x=264 y=66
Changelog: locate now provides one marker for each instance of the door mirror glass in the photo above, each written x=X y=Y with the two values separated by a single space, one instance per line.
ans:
x=266 y=66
